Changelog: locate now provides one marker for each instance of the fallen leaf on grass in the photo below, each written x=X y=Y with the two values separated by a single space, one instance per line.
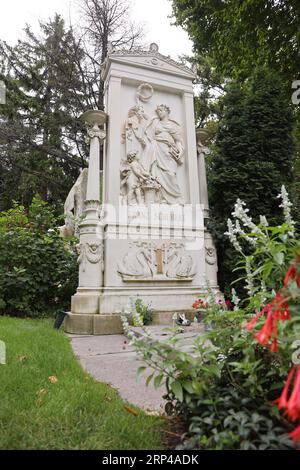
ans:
x=107 y=398
x=152 y=413
x=130 y=410
x=53 y=379
x=43 y=391
x=22 y=359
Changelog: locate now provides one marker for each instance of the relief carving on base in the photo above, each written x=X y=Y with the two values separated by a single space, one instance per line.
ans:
x=157 y=261
x=210 y=255
x=89 y=253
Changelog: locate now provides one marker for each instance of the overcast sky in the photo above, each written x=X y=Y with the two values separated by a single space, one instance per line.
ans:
x=153 y=13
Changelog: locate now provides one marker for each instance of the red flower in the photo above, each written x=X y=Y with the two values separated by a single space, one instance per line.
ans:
x=199 y=303
x=276 y=310
x=295 y=435
x=228 y=304
x=291 y=404
x=253 y=321
x=292 y=274
x=264 y=335
x=274 y=346
x=280 y=307
x=282 y=400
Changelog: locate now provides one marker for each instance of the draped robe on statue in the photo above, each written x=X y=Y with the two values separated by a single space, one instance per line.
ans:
x=163 y=136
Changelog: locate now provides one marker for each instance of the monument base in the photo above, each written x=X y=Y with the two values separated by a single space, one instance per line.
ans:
x=81 y=324
x=164 y=302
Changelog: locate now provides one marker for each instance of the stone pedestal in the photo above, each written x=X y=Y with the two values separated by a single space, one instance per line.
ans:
x=85 y=303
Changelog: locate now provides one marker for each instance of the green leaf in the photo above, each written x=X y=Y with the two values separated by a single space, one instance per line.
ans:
x=158 y=380
x=149 y=378
x=279 y=258
x=140 y=371
x=177 y=390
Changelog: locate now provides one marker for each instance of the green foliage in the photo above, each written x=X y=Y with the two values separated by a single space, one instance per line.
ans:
x=137 y=313
x=38 y=268
x=252 y=158
x=144 y=311
x=225 y=388
x=229 y=420
x=237 y=36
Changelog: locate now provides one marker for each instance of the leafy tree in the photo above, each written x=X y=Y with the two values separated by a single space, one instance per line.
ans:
x=51 y=79
x=252 y=158
x=232 y=38
x=41 y=137
x=238 y=36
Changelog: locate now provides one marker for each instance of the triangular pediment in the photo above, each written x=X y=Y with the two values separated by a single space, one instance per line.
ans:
x=151 y=60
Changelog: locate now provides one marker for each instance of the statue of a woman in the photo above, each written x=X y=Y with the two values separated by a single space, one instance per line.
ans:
x=164 y=153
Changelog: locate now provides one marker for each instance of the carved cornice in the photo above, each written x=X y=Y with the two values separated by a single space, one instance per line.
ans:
x=153 y=59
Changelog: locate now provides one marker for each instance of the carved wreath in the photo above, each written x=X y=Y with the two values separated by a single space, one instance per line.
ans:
x=91 y=252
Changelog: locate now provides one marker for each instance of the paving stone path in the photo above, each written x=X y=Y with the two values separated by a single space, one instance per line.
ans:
x=111 y=360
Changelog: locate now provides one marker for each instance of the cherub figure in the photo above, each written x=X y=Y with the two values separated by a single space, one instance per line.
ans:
x=133 y=176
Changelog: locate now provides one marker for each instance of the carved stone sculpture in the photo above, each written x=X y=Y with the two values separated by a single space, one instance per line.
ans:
x=90 y=253
x=74 y=205
x=165 y=153
x=137 y=262
x=134 y=179
x=210 y=255
x=134 y=130
x=157 y=146
x=179 y=263
x=159 y=262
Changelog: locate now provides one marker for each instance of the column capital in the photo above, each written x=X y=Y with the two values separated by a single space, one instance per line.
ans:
x=94 y=116
x=95 y=131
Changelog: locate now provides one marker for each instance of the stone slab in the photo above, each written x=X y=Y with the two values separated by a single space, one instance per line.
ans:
x=79 y=324
x=110 y=359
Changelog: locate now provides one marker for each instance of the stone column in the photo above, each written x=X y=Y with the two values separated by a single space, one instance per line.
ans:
x=190 y=152
x=91 y=246
x=114 y=129
x=202 y=151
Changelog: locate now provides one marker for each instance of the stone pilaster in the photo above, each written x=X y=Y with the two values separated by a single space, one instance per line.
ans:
x=91 y=245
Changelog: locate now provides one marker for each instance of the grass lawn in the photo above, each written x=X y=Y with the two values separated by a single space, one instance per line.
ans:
x=72 y=412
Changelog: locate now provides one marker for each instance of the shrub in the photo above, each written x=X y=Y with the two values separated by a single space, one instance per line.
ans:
x=38 y=268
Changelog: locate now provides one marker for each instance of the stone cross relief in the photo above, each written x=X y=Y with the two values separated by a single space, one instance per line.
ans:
x=157 y=261
x=154 y=150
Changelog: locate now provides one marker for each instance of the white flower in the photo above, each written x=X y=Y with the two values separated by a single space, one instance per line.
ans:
x=249 y=278
x=235 y=299
x=263 y=221
x=286 y=205
x=232 y=236
x=241 y=213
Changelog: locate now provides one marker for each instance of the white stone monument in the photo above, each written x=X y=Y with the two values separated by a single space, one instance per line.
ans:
x=149 y=237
